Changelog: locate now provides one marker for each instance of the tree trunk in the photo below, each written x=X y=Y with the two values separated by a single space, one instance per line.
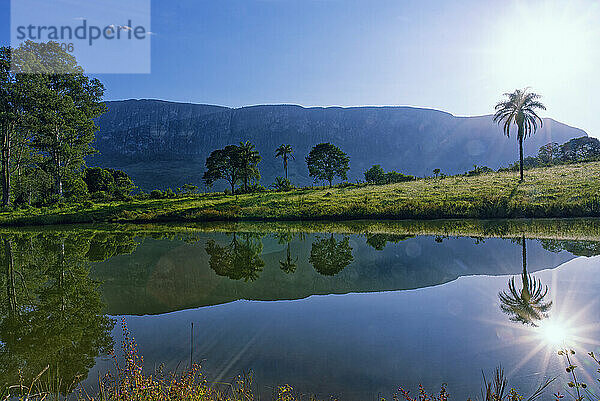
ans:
x=10 y=277
x=6 y=166
x=232 y=188
x=285 y=166
x=521 y=152
x=524 y=276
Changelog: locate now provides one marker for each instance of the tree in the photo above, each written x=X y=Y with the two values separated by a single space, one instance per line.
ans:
x=519 y=108
x=330 y=256
x=436 y=172
x=223 y=164
x=326 y=161
x=375 y=175
x=249 y=159
x=285 y=152
x=580 y=149
x=98 y=179
x=16 y=91
x=66 y=103
x=549 y=152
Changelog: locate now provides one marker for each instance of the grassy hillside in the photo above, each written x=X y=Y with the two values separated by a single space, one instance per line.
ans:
x=560 y=191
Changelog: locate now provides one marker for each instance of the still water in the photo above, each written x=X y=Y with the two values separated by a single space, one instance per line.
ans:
x=350 y=315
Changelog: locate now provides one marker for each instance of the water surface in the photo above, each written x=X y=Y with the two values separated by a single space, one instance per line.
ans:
x=352 y=315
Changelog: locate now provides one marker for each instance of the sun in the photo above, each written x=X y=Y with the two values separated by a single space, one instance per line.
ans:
x=543 y=44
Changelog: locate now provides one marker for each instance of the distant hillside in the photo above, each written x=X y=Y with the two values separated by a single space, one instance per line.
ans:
x=164 y=144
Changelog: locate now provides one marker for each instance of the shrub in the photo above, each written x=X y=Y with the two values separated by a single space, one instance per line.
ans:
x=282 y=184
x=478 y=170
x=393 y=177
x=157 y=194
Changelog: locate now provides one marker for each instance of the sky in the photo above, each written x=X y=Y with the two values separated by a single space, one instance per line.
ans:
x=454 y=56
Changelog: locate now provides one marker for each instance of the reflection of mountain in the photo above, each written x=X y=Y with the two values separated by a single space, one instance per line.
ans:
x=163 y=275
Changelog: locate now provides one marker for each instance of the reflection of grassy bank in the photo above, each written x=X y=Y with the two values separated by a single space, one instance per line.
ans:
x=585 y=229
x=563 y=191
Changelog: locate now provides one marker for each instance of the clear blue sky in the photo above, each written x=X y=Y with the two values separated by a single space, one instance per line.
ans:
x=454 y=56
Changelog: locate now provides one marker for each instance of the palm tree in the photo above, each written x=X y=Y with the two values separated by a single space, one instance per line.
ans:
x=519 y=108
x=285 y=152
x=249 y=158
x=528 y=305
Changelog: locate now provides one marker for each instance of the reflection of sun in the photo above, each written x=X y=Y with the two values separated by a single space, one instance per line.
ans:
x=567 y=327
x=554 y=333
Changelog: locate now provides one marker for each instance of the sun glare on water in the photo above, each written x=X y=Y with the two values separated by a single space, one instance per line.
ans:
x=554 y=333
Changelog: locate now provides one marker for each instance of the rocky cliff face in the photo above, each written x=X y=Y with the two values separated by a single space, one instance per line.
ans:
x=165 y=144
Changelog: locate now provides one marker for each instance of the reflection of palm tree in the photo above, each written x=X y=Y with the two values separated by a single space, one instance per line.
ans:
x=288 y=265
x=527 y=305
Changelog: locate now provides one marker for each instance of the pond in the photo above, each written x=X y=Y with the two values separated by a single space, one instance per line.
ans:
x=350 y=310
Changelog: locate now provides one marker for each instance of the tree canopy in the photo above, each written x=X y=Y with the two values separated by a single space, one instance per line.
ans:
x=326 y=161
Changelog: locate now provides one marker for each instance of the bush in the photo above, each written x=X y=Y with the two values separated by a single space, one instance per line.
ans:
x=157 y=194
x=478 y=170
x=393 y=177
x=282 y=184
x=76 y=189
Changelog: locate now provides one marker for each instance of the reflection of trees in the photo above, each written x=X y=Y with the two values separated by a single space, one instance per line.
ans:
x=288 y=265
x=240 y=259
x=379 y=241
x=527 y=305
x=51 y=313
x=577 y=248
x=330 y=256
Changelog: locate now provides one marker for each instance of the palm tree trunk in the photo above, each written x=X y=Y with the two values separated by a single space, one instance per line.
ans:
x=521 y=152
x=524 y=252
x=285 y=166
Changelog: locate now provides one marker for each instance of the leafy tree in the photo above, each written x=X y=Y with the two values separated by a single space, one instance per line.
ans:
x=285 y=152
x=223 y=164
x=548 y=153
x=66 y=102
x=436 y=172
x=580 y=149
x=326 y=161
x=519 y=108
x=98 y=179
x=375 y=175
x=330 y=256
x=249 y=159
x=114 y=183
x=16 y=94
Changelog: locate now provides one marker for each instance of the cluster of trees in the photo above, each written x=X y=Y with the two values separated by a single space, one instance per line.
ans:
x=376 y=175
x=576 y=150
x=238 y=164
x=234 y=163
x=47 y=107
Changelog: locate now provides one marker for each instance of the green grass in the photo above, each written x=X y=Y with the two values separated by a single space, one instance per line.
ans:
x=560 y=191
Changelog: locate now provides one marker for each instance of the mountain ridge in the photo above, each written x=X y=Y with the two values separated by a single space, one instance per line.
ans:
x=165 y=144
